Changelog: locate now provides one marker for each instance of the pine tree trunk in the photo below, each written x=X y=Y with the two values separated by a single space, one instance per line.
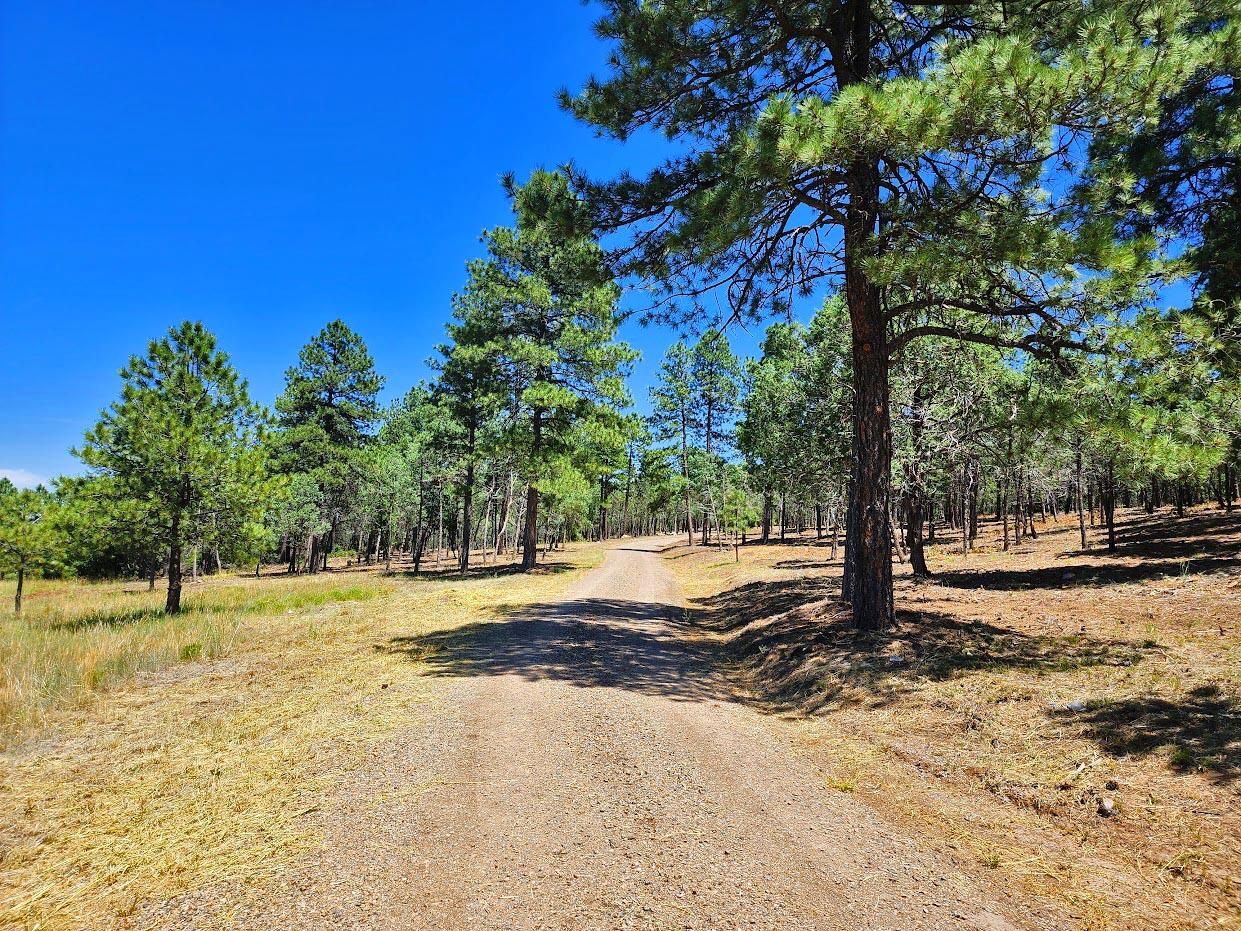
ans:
x=869 y=529
x=913 y=535
x=973 y=500
x=869 y=555
x=467 y=511
x=530 y=544
x=172 y=604
x=1002 y=509
x=21 y=584
x=1081 y=513
x=1109 y=507
x=689 y=519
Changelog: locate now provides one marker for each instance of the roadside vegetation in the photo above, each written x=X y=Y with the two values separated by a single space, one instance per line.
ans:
x=205 y=752
x=1067 y=719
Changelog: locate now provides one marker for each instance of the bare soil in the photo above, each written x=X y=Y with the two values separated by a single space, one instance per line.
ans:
x=1069 y=722
x=590 y=764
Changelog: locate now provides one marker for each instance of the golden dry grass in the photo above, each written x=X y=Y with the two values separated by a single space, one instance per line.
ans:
x=176 y=772
x=958 y=727
x=77 y=640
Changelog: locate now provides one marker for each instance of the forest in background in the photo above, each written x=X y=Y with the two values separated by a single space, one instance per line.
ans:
x=993 y=200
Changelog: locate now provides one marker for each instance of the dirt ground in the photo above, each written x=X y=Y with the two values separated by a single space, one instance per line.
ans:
x=1066 y=721
x=591 y=766
x=675 y=739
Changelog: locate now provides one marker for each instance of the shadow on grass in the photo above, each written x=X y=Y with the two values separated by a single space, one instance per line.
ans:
x=1075 y=576
x=1203 y=729
x=120 y=617
x=799 y=642
x=481 y=572
x=1167 y=546
x=810 y=564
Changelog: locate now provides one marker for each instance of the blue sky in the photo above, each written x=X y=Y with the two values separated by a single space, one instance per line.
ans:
x=263 y=167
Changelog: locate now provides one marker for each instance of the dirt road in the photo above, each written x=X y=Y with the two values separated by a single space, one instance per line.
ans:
x=589 y=768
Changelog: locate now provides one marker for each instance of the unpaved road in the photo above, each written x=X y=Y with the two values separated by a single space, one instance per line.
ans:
x=589 y=769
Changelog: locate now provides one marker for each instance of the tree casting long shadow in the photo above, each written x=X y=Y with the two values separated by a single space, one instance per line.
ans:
x=800 y=659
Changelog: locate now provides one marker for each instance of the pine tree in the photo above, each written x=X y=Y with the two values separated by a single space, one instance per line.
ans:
x=30 y=540
x=470 y=388
x=897 y=150
x=675 y=414
x=327 y=413
x=552 y=322
x=183 y=444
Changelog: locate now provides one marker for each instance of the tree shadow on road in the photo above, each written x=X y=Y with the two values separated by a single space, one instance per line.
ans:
x=589 y=642
x=781 y=646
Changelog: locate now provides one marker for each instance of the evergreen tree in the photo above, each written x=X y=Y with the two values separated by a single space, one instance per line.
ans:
x=30 y=540
x=182 y=444
x=675 y=414
x=552 y=315
x=470 y=389
x=898 y=150
x=717 y=385
x=330 y=398
x=326 y=413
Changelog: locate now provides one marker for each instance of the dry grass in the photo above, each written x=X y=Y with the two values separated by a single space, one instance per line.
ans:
x=77 y=640
x=186 y=767
x=1018 y=692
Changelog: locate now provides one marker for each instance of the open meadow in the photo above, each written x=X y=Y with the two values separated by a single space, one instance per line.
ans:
x=147 y=755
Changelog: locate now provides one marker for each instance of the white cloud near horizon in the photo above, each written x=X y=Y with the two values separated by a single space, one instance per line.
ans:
x=23 y=478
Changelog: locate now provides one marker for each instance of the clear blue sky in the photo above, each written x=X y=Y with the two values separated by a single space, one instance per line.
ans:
x=263 y=167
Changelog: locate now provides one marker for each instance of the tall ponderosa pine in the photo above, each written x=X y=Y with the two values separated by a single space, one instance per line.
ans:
x=717 y=383
x=329 y=401
x=551 y=317
x=676 y=416
x=897 y=149
x=470 y=391
x=183 y=445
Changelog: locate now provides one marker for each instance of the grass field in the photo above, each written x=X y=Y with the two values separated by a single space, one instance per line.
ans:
x=146 y=755
x=1071 y=720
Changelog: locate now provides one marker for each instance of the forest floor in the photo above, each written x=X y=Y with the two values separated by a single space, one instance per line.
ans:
x=1069 y=722
x=574 y=749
